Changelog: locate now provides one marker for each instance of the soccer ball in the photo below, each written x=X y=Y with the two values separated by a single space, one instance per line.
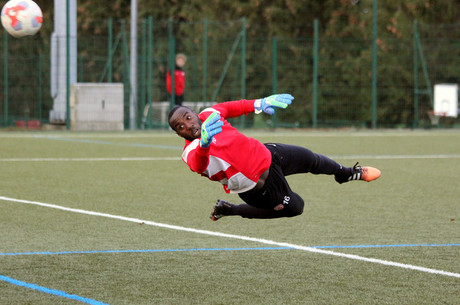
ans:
x=21 y=18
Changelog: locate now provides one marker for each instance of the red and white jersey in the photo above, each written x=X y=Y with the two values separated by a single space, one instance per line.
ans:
x=233 y=159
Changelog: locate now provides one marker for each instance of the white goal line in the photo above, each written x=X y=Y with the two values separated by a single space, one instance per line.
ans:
x=239 y=237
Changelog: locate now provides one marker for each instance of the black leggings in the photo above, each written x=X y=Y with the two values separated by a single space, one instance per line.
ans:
x=286 y=160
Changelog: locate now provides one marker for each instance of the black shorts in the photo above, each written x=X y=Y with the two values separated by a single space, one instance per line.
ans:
x=286 y=160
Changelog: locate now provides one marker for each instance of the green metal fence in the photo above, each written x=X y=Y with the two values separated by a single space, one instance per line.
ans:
x=331 y=78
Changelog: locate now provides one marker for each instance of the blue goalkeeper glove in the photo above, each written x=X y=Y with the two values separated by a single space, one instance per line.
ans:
x=273 y=101
x=210 y=128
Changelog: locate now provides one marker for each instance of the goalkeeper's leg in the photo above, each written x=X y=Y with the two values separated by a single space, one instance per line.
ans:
x=292 y=206
x=295 y=159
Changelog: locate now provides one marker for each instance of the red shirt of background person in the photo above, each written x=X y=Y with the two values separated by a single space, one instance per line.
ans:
x=179 y=79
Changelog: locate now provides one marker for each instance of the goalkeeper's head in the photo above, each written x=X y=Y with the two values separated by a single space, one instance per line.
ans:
x=185 y=122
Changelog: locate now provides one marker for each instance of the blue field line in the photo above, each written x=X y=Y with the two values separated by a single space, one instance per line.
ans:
x=144 y=251
x=109 y=143
x=221 y=249
x=50 y=291
x=386 y=246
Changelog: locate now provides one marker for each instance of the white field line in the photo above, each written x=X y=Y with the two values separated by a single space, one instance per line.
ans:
x=89 y=159
x=239 y=237
x=344 y=157
x=253 y=133
x=72 y=135
x=395 y=157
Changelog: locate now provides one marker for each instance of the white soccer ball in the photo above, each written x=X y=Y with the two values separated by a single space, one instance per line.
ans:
x=21 y=18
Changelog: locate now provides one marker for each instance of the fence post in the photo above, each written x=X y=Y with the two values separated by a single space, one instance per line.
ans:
x=315 y=74
x=243 y=60
x=205 y=58
x=416 y=114
x=109 y=70
x=5 y=77
x=419 y=55
x=142 y=73
x=126 y=79
x=172 y=63
x=429 y=89
x=40 y=87
x=150 y=70
x=374 y=64
x=243 y=66
x=274 y=73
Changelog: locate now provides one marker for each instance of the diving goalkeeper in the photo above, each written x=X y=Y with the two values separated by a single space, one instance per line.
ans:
x=245 y=166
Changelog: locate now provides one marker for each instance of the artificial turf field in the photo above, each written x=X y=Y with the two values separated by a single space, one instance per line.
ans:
x=117 y=218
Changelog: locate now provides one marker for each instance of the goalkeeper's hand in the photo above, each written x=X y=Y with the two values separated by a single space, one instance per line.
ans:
x=273 y=101
x=210 y=128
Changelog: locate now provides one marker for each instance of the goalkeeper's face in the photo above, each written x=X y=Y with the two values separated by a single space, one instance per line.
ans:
x=186 y=123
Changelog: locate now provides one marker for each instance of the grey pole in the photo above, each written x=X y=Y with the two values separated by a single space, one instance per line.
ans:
x=63 y=58
x=133 y=68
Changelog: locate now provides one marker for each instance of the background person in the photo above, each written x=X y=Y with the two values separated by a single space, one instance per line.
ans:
x=179 y=79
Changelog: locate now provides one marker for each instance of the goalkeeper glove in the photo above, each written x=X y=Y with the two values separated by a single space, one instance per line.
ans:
x=210 y=127
x=273 y=101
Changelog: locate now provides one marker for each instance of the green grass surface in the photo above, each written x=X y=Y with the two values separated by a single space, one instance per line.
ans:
x=139 y=175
